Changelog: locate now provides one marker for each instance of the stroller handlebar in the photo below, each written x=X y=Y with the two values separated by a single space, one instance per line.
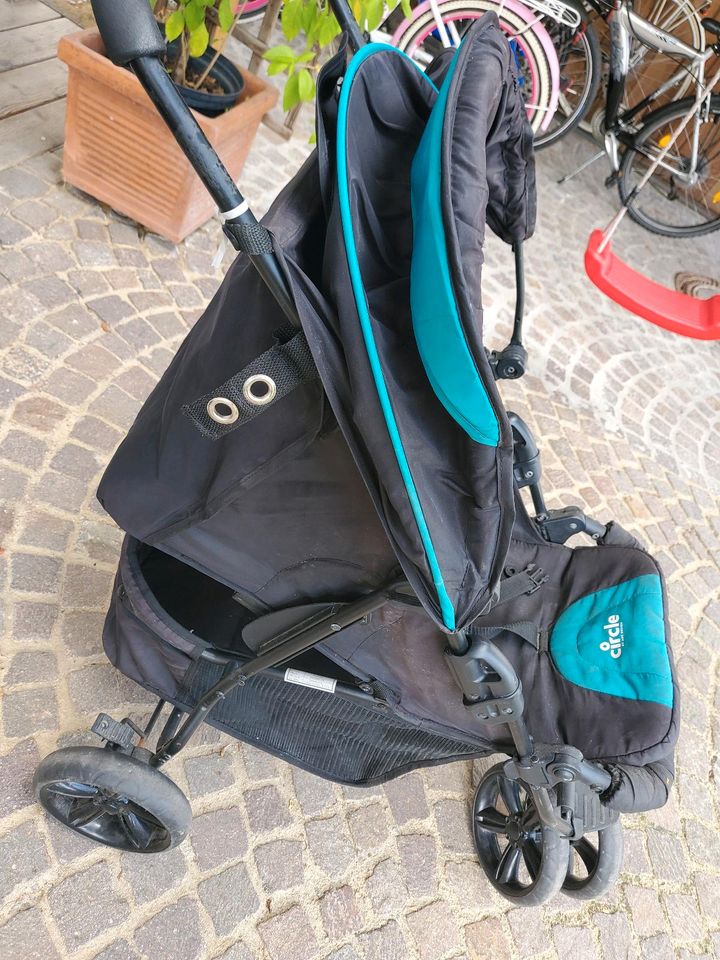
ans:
x=128 y=29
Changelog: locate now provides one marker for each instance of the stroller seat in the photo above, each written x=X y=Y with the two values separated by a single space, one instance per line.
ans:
x=341 y=569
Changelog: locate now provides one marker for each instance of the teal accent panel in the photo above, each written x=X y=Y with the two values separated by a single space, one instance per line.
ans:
x=445 y=353
x=613 y=641
x=446 y=608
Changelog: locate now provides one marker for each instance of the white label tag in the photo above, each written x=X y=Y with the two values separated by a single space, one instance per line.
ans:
x=310 y=680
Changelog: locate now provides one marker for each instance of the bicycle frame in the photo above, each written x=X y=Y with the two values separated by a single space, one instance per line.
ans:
x=625 y=26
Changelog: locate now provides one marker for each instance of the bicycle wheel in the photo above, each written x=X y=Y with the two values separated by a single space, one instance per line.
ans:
x=580 y=59
x=670 y=205
x=421 y=39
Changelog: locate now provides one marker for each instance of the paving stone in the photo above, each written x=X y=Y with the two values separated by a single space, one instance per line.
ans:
x=87 y=904
x=12 y=483
x=85 y=586
x=453 y=823
x=574 y=942
x=280 y=864
x=384 y=943
x=23 y=855
x=17 y=769
x=387 y=889
x=238 y=951
x=217 y=837
x=102 y=687
x=330 y=845
x=267 y=809
x=97 y=434
x=368 y=826
x=33 y=573
x=528 y=932
x=615 y=936
x=31 y=667
x=467 y=879
x=260 y=765
x=313 y=793
x=81 y=631
x=685 y=919
x=120 y=950
x=25 y=712
x=340 y=912
x=344 y=953
x=434 y=930
x=487 y=940
x=406 y=796
x=657 y=948
x=209 y=774
x=61 y=492
x=152 y=876
x=75 y=461
x=34 y=621
x=647 y=915
x=26 y=935
x=418 y=855
x=289 y=934
x=23 y=448
x=173 y=934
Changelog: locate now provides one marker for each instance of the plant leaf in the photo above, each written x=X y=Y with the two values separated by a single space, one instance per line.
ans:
x=199 y=40
x=374 y=14
x=280 y=54
x=406 y=8
x=291 y=94
x=291 y=18
x=306 y=85
x=175 y=25
x=194 y=15
x=225 y=15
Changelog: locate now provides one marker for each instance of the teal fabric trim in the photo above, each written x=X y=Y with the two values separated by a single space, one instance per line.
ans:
x=445 y=353
x=613 y=641
x=446 y=608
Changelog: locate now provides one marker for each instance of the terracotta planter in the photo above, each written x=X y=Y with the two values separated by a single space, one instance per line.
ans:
x=118 y=150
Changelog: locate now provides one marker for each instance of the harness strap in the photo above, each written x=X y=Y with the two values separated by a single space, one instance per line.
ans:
x=251 y=391
x=525 y=629
x=520 y=584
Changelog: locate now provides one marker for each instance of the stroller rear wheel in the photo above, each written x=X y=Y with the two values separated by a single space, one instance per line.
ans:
x=594 y=863
x=524 y=860
x=113 y=798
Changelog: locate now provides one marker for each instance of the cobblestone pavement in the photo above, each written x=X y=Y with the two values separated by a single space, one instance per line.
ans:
x=281 y=865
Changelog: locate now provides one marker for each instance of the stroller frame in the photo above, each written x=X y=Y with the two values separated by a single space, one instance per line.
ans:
x=562 y=789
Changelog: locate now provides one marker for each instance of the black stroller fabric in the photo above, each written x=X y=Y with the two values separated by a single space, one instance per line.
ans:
x=362 y=467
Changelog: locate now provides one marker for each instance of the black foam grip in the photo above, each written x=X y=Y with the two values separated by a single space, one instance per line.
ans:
x=128 y=30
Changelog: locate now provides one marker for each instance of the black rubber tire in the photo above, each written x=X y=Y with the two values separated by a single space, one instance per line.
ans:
x=672 y=111
x=137 y=783
x=606 y=869
x=594 y=56
x=552 y=848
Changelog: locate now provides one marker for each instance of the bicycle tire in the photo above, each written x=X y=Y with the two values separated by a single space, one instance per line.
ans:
x=676 y=110
x=593 y=54
x=411 y=33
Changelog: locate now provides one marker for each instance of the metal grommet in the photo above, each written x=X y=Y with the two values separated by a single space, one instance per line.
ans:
x=222 y=410
x=259 y=390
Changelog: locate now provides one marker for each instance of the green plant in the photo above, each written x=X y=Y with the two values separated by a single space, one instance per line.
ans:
x=195 y=23
x=314 y=22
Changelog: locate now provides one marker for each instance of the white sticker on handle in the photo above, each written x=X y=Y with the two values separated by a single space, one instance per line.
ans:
x=310 y=680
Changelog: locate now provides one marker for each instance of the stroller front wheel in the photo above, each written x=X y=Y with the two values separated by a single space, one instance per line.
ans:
x=113 y=798
x=523 y=859
x=594 y=864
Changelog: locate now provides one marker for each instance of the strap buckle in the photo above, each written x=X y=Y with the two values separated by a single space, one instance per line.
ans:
x=537 y=577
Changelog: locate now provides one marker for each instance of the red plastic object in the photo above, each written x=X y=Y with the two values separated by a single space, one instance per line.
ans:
x=670 y=309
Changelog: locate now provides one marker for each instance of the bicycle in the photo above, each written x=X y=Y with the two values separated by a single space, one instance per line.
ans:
x=678 y=166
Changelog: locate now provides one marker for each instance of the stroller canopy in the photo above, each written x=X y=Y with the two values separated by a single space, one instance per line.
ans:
x=382 y=238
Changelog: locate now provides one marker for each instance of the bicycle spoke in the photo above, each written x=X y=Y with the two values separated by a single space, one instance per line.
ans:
x=508 y=865
x=83 y=812
x=491 y=819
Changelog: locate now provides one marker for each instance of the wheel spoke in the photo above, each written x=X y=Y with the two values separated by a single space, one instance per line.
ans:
x=71 y=788
x=137 y=831
x=588 y=853
x=83 y=812
x=507 y=868
x=510 y=793
x=532 y=858
x=491 y=819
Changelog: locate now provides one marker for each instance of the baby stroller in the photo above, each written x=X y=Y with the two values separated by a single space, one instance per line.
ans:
x=328 y=555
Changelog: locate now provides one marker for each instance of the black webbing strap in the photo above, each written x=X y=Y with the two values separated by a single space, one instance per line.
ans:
x=254 y=389
x=252 y=238
x=520 y=584
x=525 y=629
